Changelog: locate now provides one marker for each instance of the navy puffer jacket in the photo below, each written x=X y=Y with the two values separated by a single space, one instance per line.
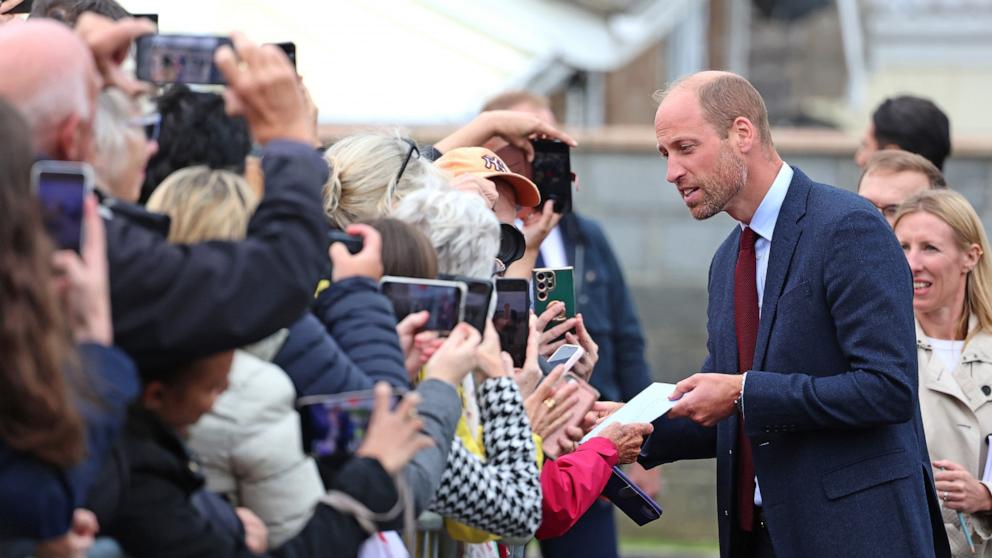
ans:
x=347 y=343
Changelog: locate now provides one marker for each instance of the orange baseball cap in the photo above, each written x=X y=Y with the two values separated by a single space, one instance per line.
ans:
x=483 y=162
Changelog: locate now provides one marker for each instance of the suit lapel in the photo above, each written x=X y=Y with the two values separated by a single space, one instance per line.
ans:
x=784 y=241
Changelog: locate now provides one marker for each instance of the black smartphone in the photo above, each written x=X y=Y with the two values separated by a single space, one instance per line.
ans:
x=512 y=317
x=290 y=50
x=152 y=17
x=165 y=59
x=62 y=188
x=631 y=499
x=22 y=8
x=352 y=242
x=445 y=300
x=478 y=300
x=552 y=173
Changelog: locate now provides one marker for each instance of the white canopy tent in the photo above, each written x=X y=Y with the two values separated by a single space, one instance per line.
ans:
x=427 y=61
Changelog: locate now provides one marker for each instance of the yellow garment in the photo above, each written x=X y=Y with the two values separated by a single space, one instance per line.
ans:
x=322 y=285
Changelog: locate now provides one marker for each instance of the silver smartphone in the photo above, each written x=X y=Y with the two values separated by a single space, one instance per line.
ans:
x=62 y=188
x=444 y=300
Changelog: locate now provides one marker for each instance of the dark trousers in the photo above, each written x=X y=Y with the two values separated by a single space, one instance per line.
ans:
x=757 y=543
x=595 y=534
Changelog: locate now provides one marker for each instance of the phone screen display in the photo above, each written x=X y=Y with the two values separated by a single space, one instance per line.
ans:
x=477 y=303
x=512 y=317
x=562 y=355
x=336 y=425
x=444 y=302
x=478 y=300
x=179 y=59
x=552 y=173
x=62 y=195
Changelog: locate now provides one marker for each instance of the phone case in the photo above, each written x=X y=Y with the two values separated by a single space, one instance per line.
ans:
x=551 y=285
x=631 y=499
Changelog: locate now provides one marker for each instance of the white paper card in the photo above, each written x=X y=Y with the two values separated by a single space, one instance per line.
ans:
x=644 y=407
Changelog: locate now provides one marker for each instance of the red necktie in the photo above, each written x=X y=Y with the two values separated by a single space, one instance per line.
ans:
x=746 y=325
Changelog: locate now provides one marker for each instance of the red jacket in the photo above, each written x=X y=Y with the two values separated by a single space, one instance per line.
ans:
x=572 y=483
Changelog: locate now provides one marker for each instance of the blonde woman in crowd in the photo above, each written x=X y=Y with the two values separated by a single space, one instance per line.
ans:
x=948 y=254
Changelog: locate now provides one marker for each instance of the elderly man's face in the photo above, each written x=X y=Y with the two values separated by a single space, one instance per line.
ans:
x=886 y=190
x=704 y=167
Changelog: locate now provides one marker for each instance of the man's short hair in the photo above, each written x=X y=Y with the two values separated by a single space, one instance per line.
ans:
x=914 y=124
x=896 y=160
x=68 y=11
x=510 y=99
x=723 y=99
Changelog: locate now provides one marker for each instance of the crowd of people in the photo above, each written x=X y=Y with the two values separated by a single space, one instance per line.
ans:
x=151 y=380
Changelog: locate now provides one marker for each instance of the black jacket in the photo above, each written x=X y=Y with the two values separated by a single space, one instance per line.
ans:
x=347 y=344
x=162 y=508
x=174 y=303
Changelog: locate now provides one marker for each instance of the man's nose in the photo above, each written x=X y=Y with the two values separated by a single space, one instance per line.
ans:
x=675 y=171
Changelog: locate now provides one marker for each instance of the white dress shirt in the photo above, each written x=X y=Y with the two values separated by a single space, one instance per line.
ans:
x=763 y=224
x=553 y=250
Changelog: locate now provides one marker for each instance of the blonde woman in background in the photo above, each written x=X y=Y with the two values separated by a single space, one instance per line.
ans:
x=947 y=250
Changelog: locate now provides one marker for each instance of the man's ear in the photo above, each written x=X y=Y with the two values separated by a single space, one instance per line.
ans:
x=744 y=133
x=69 y=140
x=153 y=396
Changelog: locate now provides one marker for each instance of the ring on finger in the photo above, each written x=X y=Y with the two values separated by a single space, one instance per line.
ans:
x=550 y=403
x=943 y=496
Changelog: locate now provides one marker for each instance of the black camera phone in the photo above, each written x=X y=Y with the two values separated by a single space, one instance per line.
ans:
x=290 y=50
x=352 y=242
x=552 y=173
x=22 y=8
x=165 y=59
x=512 y=317
x=478 y=300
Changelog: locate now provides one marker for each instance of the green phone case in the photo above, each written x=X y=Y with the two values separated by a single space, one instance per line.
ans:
x=551 y=285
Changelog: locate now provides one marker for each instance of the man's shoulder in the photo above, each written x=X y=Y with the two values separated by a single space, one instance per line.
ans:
x=828 y=203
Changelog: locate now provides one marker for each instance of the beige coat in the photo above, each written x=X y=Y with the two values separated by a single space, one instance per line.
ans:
x=957 y=418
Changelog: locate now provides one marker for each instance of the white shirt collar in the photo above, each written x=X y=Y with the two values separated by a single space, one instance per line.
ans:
x=763 y=221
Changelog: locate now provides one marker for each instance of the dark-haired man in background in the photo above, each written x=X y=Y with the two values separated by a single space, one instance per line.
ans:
x=909 y=123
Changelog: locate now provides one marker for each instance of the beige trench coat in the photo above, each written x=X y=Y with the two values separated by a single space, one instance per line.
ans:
x=957 y=418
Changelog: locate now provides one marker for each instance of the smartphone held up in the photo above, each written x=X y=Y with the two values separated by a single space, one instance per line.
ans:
x=62 y=188
x=168 y=58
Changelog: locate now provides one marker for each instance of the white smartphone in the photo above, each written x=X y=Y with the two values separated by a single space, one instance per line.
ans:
x=62 y=188
x=566 y=355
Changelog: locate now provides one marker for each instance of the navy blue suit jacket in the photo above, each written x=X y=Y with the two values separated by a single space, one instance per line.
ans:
x=830 y=403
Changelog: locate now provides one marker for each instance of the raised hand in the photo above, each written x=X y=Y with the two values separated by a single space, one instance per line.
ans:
x=367 y=263
x=263 y=86
x=84 y=283
x=628 y=438
x=394 y=436
x=456 y=356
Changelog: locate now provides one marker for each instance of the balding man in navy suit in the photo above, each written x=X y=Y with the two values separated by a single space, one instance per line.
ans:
x=808 y=395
